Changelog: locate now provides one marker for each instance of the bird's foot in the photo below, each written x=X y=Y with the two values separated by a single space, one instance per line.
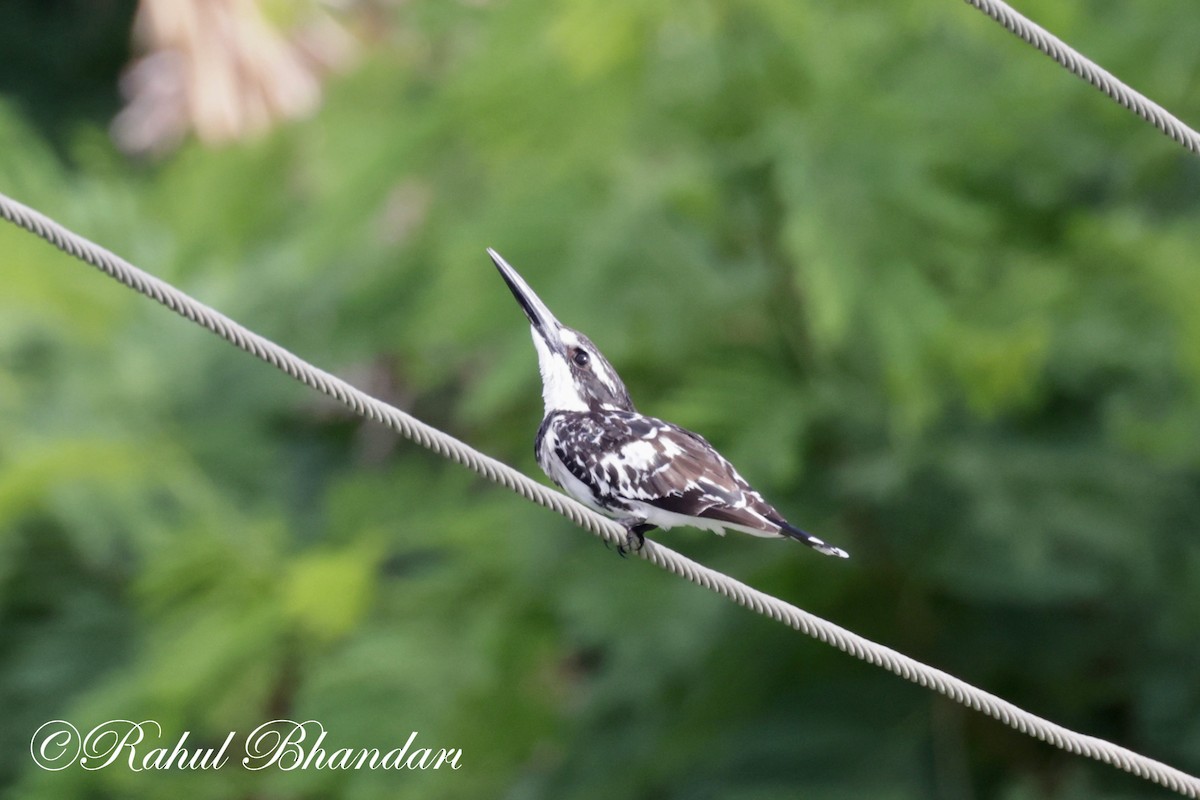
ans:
x=635 y=536
x=633 y=543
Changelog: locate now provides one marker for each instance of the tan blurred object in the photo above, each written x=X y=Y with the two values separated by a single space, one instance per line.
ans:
x=218 y=67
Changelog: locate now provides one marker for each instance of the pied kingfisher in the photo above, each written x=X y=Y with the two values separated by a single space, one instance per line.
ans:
x=642 y=471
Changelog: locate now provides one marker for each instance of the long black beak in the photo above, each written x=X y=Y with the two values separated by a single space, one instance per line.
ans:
x=540 y=317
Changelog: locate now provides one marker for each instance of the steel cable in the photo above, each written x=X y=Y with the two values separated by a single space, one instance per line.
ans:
x=442 y=443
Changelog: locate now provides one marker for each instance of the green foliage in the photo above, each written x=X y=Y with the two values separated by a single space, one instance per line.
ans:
x=934 y=296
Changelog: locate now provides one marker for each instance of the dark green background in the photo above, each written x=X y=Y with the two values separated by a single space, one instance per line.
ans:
x=937 y=298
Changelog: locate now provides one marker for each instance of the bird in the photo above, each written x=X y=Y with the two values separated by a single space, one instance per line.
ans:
x=643 y=472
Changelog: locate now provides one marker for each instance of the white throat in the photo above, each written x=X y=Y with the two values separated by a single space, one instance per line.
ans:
x=559 y=392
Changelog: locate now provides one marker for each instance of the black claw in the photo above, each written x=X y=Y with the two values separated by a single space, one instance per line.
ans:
x=635 y=536
x=635 y=540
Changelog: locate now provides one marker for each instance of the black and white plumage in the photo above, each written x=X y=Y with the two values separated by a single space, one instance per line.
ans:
x=644 y=472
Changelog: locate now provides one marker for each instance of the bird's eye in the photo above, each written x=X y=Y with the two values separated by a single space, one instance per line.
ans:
x=581 y=358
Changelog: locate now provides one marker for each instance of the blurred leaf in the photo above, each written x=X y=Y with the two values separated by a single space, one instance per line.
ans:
x=327 y=593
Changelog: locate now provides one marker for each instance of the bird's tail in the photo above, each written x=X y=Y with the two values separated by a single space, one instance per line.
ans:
x=811 y=541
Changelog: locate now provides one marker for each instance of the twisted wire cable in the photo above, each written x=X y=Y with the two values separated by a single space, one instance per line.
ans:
x=442 y=443
x=1070 y=58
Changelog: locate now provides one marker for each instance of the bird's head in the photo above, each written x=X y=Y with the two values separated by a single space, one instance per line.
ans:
x=575 y=375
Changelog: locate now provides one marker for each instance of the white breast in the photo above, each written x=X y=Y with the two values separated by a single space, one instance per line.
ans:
x=550 y=463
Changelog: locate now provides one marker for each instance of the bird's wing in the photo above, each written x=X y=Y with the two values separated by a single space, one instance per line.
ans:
x=634 y=457
x=700 y=482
